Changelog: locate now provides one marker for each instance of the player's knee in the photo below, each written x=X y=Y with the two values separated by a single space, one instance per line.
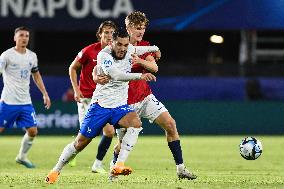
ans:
x=80 y=144
x=136 y=124
x=170 y=126
x=2 y=129
x=109 y=131
x=32 y=132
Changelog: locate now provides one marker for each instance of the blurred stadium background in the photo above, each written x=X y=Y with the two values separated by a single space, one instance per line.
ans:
x=221 y=70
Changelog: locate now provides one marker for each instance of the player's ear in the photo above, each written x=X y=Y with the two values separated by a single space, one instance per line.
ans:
x=128 y=29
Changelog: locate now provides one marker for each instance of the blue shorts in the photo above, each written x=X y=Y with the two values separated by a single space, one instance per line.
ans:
x=97 y=117
x=22 y=115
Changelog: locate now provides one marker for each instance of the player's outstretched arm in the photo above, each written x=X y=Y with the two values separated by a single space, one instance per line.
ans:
x=139 y=50
x=40 y=85
x=118 y=75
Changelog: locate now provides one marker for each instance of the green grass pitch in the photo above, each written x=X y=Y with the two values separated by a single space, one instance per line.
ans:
x=215 y=159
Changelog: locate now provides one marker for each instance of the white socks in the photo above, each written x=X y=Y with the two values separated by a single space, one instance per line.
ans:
x=26 y=144
x=97 y=163
x=68 y=153
x=128 y=142
x=180 y=167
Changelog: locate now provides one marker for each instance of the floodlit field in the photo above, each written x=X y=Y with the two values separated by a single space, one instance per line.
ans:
x=215 y=160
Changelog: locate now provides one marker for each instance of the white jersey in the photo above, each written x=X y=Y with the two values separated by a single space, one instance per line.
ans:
x=115 y=93
x=16 y=69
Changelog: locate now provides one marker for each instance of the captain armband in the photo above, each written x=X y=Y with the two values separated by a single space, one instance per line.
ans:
x=35 y=69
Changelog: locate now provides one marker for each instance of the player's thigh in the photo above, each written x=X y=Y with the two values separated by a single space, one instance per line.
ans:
x=131 y=119
x=83 y=107
x=108 y=130
x=124 y=116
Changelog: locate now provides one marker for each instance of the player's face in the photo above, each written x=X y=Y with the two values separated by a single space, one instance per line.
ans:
x=106 y=35
x=119 y=47
x=22 y=38
x=136 y=32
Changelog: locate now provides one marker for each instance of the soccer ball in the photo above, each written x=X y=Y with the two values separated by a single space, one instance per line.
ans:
x=250 y=148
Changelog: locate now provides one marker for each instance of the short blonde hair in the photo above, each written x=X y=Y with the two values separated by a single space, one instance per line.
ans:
x=136 y=18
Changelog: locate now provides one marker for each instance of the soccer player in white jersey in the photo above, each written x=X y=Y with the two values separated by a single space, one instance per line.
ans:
x=17 y=64
x=85 y=61
x=109 y=104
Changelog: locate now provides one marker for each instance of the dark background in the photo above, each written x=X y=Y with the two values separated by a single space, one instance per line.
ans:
x=183 y=53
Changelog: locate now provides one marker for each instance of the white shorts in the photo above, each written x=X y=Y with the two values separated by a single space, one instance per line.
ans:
x=150 y=108
x=83 y=107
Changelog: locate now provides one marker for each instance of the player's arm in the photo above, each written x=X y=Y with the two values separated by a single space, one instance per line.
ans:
x=106 y=64
x=40 y=85
x=149 y=64
x=140 y=50
x=2 y=63
x=116 y=74
x=74 y=67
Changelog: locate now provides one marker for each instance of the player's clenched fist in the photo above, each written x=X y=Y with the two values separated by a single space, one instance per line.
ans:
x=148 y=77
x=135 y=58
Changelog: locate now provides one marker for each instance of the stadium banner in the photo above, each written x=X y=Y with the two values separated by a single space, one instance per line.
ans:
x=192 y=117
x=164 y=15
x=193 y=88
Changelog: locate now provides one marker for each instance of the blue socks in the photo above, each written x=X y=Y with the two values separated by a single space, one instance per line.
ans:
x=103 y=147
x=176 y=151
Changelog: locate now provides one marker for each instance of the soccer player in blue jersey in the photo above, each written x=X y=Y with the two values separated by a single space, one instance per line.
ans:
x=109 y=104
x=17 y=65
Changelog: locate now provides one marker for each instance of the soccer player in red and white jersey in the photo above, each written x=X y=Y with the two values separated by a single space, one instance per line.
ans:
x=85 y=61
x=140 y=96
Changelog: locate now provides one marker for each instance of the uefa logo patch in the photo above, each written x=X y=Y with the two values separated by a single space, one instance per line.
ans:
x=107 y=63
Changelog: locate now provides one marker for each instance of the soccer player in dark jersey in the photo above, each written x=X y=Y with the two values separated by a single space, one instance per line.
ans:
x=140 y=96
x=85 y=61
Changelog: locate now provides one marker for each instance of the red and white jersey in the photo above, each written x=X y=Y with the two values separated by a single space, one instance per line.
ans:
x=139 y=89
x=88 y=58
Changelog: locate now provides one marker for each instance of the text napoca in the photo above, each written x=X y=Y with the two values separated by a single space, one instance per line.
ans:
x=76 y=9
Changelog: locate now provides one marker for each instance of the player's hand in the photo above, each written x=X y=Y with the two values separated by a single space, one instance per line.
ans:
x=135 y=58
x=78 y=95
x=158 y=55
x=102 y=79
x=148 y=77
x=46 y=101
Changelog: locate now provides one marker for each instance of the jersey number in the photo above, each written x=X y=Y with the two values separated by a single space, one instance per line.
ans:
x=34 y=117
x=24 y=74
